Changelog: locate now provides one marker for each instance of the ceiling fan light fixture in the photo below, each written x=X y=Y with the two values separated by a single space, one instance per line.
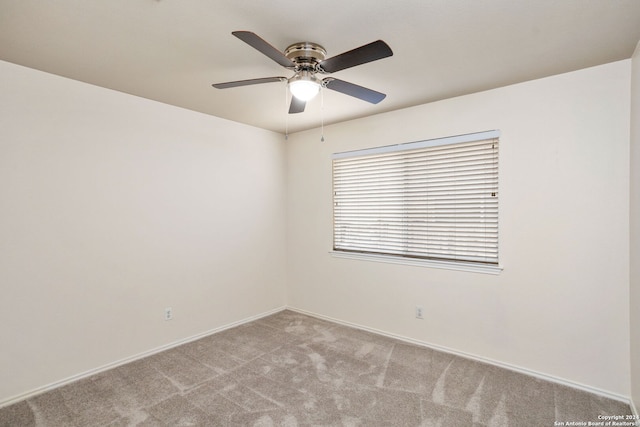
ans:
x=304 y=86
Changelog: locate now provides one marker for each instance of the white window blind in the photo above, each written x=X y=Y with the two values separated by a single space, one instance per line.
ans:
x=434 y=199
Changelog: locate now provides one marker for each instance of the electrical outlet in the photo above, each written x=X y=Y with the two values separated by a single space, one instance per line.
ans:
x=168 y=313
x=419 y=312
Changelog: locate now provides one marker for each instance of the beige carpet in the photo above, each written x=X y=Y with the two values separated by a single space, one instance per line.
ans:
x=293 y=370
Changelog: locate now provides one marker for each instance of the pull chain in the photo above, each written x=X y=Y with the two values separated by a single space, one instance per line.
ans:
x=322 y=113
x=286 y=114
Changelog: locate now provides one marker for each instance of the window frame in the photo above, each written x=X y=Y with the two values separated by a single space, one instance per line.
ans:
x=452 y=264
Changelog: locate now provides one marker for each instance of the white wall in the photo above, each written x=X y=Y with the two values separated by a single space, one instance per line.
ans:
x=113 y=207
x=560 y=307
x=635 y=228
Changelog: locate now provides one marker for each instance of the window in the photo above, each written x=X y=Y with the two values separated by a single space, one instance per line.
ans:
x=433 y=200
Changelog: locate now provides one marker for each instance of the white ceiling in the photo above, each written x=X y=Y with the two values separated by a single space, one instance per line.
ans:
x=173 y=50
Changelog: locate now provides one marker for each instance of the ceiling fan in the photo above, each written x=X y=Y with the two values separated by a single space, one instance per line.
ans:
x=307 y=59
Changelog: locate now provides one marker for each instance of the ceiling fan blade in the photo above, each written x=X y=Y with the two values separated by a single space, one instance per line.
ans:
x=248 y=82
x=297 y=106
x=360 y=55
x=265 y=48
x=354 y=90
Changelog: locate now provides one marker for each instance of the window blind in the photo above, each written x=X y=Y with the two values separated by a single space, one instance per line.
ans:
x=431 y=199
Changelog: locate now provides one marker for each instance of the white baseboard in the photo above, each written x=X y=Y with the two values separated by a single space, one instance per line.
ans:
x=543 y=376
x=73 y=378
x=156 y=350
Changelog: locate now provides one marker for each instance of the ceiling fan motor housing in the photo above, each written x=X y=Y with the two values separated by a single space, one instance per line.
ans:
x=306 y=55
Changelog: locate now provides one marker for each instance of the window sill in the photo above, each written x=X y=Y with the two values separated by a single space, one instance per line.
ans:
x=429 y=263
